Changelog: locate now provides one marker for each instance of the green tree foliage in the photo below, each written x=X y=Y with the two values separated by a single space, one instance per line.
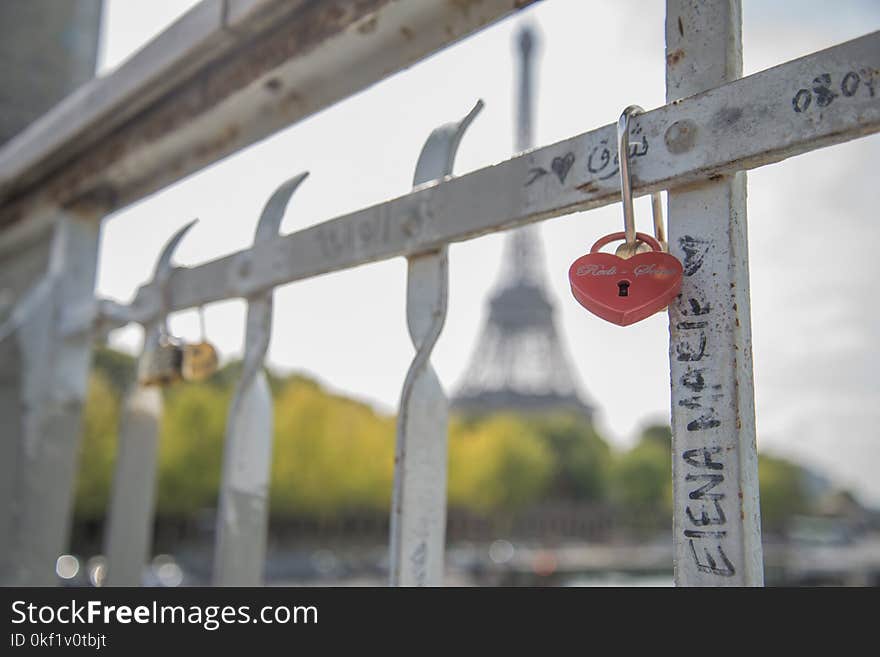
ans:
x=331 y=453
x=227 y=376
x=498 y=464
x=580 y=457
x=116 y=367
x=335 y=455
x=191 y=448
x=641 y=478
x=782 y=491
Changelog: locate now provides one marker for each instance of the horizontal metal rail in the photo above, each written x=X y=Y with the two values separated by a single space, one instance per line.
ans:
x=822 y=99
x=227 y=74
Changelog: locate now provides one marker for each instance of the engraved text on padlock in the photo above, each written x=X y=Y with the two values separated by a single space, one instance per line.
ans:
x=625 y=291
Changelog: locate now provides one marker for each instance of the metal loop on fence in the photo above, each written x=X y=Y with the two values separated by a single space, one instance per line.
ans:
x=629 y=221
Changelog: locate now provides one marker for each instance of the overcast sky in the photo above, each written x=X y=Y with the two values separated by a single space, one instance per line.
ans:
x=814 y=238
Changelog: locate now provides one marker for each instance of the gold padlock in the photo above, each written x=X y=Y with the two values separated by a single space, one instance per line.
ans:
x=199 y=361
x=164 y=365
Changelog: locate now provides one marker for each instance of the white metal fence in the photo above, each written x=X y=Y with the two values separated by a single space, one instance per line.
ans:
x=231 y=72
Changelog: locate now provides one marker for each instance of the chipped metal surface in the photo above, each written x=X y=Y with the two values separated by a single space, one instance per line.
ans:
x=251 y=80
x=716 y=511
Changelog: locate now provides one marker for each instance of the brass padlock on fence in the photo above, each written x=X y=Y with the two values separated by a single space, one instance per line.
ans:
x=163 y=365
x=200 y=359
x=174 y=360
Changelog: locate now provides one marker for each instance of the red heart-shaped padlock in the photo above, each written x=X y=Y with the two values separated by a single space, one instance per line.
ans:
x=625 y=291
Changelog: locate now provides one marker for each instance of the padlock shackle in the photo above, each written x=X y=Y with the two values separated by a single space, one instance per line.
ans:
x=613 y=237
x=626 y=194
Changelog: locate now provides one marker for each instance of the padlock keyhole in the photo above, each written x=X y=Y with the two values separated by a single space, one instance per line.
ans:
x=623 y=289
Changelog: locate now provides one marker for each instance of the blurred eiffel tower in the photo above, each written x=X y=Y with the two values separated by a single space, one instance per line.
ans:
x=519 y=362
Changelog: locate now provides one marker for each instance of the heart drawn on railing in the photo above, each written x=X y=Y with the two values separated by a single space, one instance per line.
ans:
x=562 y=165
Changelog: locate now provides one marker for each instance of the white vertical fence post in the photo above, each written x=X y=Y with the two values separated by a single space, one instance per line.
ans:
x=242 y=518
x=129 y=529
x=418 y=512
x=47 y=424
x=716 y=524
